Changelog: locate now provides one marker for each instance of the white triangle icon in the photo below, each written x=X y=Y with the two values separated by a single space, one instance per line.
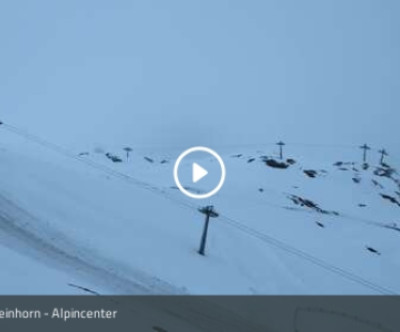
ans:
x=198 y=172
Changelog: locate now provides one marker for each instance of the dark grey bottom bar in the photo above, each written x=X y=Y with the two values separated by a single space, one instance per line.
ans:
x=200 y=313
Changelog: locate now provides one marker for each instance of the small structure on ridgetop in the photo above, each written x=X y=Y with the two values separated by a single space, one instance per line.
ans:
x=128 y=151
x=281 y=145
x=383 y=154
x=365 y=147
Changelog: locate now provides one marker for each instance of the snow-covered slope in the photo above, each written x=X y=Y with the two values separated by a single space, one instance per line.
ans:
x=322 y=225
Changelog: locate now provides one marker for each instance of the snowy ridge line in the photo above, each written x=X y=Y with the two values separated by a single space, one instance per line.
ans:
x=232 y=222
x=146 y=185
x=260 y=145
x=301 y=254
x=108 y=170
x=32 y=237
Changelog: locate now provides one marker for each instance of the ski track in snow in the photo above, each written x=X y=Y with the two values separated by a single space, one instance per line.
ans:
x=21 y=231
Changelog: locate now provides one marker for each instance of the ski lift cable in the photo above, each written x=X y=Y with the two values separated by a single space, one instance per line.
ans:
x=312 y=259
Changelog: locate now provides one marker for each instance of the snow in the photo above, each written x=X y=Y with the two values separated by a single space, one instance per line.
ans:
x=123 y=228
x=21 y=275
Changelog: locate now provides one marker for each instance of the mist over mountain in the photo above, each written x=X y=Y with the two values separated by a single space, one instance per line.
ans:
x=156 y=74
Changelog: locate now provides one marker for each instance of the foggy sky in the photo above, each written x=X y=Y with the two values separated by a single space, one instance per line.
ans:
x=202 y=72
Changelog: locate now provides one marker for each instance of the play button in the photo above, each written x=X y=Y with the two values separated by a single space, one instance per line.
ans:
x=201 y=170
x=198 y=172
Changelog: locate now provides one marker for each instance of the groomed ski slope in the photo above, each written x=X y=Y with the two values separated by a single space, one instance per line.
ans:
x=75 y=217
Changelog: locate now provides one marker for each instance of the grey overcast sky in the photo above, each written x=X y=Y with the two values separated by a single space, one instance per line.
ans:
x=202 y=72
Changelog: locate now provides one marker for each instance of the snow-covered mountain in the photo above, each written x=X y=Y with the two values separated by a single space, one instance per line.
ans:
x=92 y=220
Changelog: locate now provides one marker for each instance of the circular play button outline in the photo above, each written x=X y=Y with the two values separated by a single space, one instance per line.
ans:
x=206 y=150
